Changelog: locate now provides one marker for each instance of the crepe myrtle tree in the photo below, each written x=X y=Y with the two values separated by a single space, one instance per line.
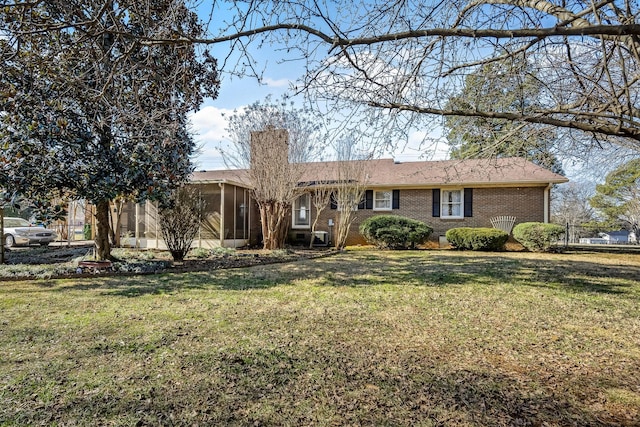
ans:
x=89 y=108
x=272 y=140
x=349 y=187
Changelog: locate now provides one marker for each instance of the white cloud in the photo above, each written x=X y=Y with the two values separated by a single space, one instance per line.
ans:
x=279 y=83
x=209 y=125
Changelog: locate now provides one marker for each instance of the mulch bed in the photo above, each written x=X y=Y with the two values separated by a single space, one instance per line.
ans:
x=245 y=259
x=160 y=264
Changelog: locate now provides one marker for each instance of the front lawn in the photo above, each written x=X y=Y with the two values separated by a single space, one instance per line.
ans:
x=359 y=338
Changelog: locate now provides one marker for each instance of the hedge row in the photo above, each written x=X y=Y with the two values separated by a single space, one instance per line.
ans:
x=397 y=232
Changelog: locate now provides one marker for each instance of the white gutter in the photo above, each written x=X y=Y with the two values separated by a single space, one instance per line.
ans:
x=547 y=192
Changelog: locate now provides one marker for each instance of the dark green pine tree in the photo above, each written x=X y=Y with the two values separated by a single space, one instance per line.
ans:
x=502 y=86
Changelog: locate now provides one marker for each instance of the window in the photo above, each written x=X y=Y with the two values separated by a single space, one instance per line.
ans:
x=343 y=198
x=382 y=200
x=302 y=212
x=452 y=203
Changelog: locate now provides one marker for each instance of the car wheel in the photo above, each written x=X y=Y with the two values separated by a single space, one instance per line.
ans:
x=44 y=244
x=9 y=241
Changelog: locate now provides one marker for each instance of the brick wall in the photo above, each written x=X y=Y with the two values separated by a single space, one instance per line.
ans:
x=525 y=203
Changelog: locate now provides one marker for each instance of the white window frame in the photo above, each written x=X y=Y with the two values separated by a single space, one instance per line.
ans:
x=375 y=200
x=444 y=204
x=307 y=209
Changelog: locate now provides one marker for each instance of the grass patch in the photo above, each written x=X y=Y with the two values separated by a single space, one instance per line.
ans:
x=360 y=338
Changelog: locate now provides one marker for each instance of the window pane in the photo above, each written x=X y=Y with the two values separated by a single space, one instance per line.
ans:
x=452 y=203
x=382 y=200
x=301 y=211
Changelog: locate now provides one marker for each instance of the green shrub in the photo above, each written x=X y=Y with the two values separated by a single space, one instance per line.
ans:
x=537 y=236
x=477 y=239
x=200 y=253
x=394 y=232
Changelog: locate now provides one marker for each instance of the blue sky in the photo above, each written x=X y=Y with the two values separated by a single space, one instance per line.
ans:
x=209 y=122
x=235 y=92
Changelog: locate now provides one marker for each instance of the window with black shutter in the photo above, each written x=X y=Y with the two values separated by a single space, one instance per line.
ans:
x=395 y=204
x=468 y=202
x=435 y=196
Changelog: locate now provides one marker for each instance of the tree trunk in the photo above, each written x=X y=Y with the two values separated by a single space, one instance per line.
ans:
x=274 y=217
x=115 y=221
x=2 y=236
x=102 y=231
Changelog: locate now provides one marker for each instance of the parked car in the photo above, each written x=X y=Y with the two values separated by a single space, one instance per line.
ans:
x=20 y=232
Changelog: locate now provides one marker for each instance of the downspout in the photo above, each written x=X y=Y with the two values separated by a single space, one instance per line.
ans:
x=547 y=199
x=249 y=210
x=221 y=214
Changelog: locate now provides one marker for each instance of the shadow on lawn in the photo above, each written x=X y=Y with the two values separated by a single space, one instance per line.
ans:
x=307 y=386
x=417 y=268
x=433 y=269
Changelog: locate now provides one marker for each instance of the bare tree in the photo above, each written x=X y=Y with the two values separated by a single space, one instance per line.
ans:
x=274 y=182
x=394 y=64
x=570 y=206
x=272 y=140
x=320 y=199
x=180 y=219
x=407 y=58
x=349 y=187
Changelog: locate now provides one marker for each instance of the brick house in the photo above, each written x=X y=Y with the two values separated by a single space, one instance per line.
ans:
x=443 y=194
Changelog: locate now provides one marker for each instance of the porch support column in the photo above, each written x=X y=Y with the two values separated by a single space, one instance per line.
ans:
x=137 y=224
x=235 y=214
x=222 y=187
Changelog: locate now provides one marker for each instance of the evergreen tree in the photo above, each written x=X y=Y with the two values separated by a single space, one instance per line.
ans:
x=91 y=108
x=501 y=86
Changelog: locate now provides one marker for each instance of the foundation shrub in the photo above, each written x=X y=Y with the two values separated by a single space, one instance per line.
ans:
x=477 y=239
x=537 y=236
x=394 y=232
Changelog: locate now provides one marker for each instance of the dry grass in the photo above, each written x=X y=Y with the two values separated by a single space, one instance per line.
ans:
x=360 y=338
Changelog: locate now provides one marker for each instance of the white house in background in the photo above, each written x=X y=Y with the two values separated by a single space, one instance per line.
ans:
x=615 y=237
x=619 y=237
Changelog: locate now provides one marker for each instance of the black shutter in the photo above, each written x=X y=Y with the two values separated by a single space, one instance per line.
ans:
x=436 y=202
x=395 y=200
x=333 y=204
x=368 y=198
x=468 y=202
x=362 y=203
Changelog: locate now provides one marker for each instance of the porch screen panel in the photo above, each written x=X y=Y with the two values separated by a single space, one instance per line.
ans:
x=148 y=226
x=241 y=213
x=210 y=226
x=229 y=209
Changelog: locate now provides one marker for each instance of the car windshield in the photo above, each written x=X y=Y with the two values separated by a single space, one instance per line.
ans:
x=16 y=222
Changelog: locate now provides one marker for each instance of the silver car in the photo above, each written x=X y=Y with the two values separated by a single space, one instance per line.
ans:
x=19 y=232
